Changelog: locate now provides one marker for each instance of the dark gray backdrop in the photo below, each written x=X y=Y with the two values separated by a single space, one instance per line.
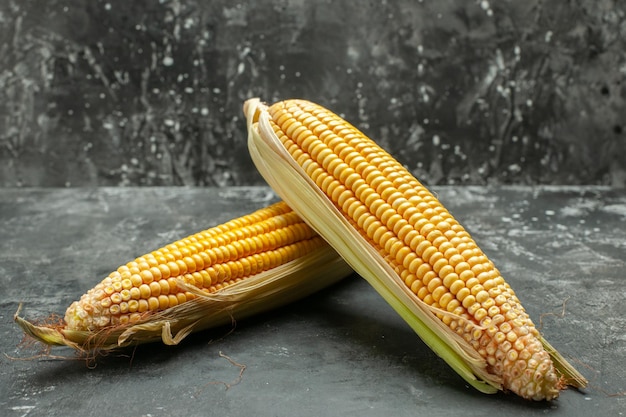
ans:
x=471 y=92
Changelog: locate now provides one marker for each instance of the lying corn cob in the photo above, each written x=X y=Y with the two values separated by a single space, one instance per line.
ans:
x=247 y=265
x=399 y=237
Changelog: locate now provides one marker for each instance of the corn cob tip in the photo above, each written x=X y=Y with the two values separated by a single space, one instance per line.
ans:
x=530 y=372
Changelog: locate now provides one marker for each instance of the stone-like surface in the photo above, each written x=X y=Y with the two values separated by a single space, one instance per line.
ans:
x=340 y=352
x=114 y=92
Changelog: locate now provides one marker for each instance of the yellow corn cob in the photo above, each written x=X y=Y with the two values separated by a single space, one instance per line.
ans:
x=400 y=238
x=209 y=260
x=246 y=265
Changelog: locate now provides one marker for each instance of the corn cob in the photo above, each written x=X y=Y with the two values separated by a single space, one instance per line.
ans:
x=209 y=260
x=396 y=234
x=246 y=265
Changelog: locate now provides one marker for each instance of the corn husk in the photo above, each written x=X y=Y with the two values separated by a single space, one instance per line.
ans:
x=301 y=193
x=261 y=292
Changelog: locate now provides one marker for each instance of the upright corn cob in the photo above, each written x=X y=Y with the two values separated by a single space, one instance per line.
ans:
x=246 y=265
x=397 y=235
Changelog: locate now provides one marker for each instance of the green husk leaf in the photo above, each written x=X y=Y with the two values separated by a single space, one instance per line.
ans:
x=262 y=292
x=292 y=184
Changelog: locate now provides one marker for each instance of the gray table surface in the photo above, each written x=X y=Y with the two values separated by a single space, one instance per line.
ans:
x=340 y=352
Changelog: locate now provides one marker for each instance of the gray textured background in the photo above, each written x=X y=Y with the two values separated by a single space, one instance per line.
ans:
x=462 y=92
